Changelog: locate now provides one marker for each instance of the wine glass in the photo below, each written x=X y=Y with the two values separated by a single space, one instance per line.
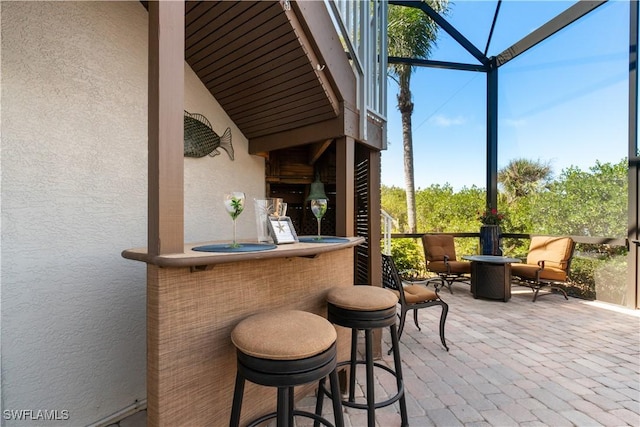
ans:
x=319 y=208
x=234 y=204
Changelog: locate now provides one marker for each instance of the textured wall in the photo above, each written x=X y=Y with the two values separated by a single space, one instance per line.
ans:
x=74 y=195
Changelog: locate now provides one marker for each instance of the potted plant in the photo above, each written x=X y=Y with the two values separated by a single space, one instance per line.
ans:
x=490 y=232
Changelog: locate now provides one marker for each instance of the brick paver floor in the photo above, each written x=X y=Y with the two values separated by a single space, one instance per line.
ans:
x=549 y=363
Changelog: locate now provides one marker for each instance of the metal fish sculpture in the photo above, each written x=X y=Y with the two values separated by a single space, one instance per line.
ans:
x=200 y=138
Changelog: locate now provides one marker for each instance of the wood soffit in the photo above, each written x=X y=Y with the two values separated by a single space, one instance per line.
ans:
x=255 y=59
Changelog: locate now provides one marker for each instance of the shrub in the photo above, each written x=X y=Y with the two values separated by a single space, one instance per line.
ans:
x=409 y=257
x=581 y=275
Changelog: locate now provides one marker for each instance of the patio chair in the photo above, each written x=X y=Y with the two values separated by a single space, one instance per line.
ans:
x=412 y=296
x=440 y=256
x=548 y=262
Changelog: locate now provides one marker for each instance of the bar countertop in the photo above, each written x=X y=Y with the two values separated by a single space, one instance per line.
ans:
x=191 y=258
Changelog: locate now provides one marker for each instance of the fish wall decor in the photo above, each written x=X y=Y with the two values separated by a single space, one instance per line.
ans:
x=200 y=139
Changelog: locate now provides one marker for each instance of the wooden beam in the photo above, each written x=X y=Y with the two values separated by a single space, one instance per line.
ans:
x=300 y=136
x=375 y=207
x=315 y=19
x=166 y=128
x=345 y=186
x=316 y=150
x=316 y=61
x=376 y=134
x=375 y=233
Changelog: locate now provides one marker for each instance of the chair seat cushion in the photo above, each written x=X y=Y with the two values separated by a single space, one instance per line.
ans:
x=457 y=267
x=284 y=335
x=362 y=298
x=414 y=294
x=527 y=271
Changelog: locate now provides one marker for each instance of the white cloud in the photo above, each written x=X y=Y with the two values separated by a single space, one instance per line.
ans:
x=444 y=121
x=514 y=123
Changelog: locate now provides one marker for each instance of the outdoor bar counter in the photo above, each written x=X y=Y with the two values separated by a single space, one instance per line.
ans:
x=194 y=299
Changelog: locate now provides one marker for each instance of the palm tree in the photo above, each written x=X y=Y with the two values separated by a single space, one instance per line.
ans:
x=522 y=177
x=411 y=35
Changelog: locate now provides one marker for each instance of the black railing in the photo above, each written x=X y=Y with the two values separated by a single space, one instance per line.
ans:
x=593 y=253
x=611 y=241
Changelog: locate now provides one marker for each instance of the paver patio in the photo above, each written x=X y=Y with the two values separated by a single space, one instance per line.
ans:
x=549 y=363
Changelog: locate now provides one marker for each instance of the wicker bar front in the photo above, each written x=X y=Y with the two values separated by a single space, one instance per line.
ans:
x=191 y=311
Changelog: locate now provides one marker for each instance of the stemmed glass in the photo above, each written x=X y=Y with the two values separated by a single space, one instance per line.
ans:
x=234 y=204
x=319 y=208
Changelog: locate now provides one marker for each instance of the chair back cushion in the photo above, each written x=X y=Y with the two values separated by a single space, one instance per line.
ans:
x=556 y=252
x=436 y=246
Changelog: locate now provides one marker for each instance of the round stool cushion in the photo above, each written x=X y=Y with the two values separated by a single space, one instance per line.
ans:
x=284 y=335
x=362 y=298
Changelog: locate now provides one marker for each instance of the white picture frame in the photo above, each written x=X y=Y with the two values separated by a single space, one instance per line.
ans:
x=282 y=230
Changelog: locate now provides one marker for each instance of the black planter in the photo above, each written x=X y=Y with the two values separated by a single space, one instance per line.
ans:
x=490 y=240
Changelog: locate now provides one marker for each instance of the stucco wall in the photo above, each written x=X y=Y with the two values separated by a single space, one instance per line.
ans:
x=74 y=195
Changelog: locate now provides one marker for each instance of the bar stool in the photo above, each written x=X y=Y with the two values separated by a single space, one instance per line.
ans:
x=284 y=349
x=366 y=308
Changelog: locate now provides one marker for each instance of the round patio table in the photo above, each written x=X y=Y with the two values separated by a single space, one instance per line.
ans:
x=491 y=276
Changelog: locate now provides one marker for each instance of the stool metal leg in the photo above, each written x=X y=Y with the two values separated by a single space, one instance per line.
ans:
x=283 y=407
x=291 y=406
x=371 y=398
x=352 y=367
x=336 y=399
x=320 y=400
x=237 y=401
x=399 y=380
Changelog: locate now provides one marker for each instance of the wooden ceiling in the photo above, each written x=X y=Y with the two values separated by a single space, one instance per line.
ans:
x=257 y=61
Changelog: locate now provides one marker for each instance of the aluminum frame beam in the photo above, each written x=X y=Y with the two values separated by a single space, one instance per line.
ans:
x=493 y=26
x=492 y=139
x=491 y=67
x=556 y=24
x=437 y=64
x=445 y=25
x=633 y=234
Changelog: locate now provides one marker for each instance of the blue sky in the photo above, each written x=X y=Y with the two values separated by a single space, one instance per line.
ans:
x=564 y=102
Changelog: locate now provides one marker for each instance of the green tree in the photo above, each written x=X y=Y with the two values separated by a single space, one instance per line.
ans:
x=394 y=202
x=411 y=35
x=521 y=182
x=590 y=203
x=522 y=177
x=441 y=210
x=577 y=202
x=585 y=203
